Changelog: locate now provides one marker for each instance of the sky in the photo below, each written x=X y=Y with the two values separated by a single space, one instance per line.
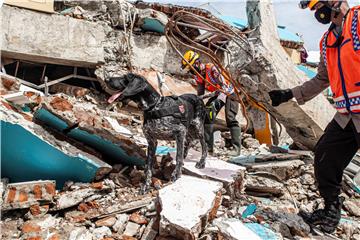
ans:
x=287 y=14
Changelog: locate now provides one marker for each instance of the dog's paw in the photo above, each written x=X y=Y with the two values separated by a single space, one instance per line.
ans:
x=200 y=165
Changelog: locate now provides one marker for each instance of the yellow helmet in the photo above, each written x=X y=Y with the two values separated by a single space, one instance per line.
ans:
x=308 y=4
x=191 y=57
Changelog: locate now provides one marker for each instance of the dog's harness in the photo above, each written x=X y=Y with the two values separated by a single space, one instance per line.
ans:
x=176 y=110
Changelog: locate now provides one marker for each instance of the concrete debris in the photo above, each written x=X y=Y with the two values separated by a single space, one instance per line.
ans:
x=186 y=207
x=120 y=223
x=92 y=128
x=149 y=232
x=282 y=170
x=26 y=194
x=101 y=232
x=91 y=155
x=73 y=198
x=353 y=206
x=234 y=229
x=58 y=46
x=132 y=229
x=80 y=233
x=265 y=185
x=231 y=175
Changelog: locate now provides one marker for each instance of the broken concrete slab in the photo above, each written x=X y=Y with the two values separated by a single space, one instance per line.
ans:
x=283 y=170
x=266 y=185
x=231 y=175
x=66 y=161
x=186 y=207
x=72 y=198
x=26 y=194
x=92 y=128
x=234 y=229
x=62 y=40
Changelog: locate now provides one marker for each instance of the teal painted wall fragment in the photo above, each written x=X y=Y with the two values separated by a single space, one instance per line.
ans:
x=26 y=157
x=153 y=25
x=110 y=151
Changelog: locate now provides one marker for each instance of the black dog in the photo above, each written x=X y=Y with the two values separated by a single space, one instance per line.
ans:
x=165 y=118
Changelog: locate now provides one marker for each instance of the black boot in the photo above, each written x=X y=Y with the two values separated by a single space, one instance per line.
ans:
x=326 y=219
x=209 y=137
x=236 y=141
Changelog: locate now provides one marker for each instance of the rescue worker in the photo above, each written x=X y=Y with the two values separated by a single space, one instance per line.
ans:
x=340 y=68
x=214 y=80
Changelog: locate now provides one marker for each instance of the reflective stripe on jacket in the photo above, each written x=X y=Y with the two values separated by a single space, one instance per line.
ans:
x=212 y=84
x=343 y=64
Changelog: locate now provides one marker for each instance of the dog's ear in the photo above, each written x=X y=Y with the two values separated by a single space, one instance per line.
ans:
x=137 y=84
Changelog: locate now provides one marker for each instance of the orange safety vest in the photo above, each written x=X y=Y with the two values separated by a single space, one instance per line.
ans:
x=343 y=64
x=211 y=83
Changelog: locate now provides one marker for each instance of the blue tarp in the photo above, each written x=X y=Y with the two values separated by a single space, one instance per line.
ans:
x=284 y=34
x=307 y=71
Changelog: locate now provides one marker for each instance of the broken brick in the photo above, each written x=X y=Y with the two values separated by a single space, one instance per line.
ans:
x=34 y=238
x=30 y=227
x=125 y=237
x=55 y=236
x=37 y=210
x=61 y=104
x=137 y=218
x=11 y=195
x=7 y=83
x=50 y=188
x=107 y=222
x=37 y=192
x=23 y=197
x=97 y=185
x=83 y=207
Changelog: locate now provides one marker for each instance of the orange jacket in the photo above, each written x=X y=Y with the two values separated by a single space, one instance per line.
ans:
x=212 y=84
x=343 y=63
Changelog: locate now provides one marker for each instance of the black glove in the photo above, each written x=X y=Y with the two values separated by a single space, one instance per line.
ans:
x=280 y=96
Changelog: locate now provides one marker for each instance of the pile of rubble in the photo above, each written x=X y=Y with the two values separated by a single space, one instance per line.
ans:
x=91 y=155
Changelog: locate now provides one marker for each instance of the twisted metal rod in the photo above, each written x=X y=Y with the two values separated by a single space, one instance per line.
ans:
x=175 y=35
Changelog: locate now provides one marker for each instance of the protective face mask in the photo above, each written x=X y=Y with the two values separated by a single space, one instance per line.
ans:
x=323 y=15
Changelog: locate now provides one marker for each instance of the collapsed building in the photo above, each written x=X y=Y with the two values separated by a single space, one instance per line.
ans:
x=72 y=165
